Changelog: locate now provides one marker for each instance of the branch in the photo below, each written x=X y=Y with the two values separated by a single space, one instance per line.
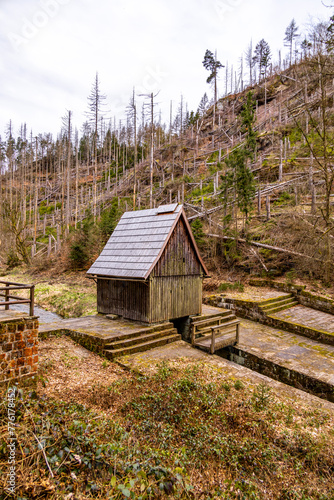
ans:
x=263 y=245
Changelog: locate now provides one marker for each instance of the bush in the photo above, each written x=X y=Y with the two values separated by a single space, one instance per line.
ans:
x=109 y=219
x=199 y=234
x=12 y=259
x=85 y=243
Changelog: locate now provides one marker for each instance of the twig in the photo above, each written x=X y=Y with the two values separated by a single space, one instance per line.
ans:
x=45 y=458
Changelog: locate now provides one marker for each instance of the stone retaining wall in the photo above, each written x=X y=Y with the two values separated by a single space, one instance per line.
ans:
x=288 y=376
x=304 y=298
x=243 y=308
x=309 y=299
x=251 y=310
x=18 y=349
x=277 y=285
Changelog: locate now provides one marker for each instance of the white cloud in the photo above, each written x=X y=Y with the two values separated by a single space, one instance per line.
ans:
x=149 y=44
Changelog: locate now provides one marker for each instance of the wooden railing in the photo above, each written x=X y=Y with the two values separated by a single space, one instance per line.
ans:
x=215 y=333
x=13 y=299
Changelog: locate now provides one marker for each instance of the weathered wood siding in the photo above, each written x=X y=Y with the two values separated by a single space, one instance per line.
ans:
x=175 y=297
x=179 y=257
x=174 y=288
x=176 y=280
x=130 y=299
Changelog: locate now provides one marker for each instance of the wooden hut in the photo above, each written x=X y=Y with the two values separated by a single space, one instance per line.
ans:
x=150 y=270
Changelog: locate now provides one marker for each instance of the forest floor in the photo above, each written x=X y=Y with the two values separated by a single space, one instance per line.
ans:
x=94 y=429
x=183 y=430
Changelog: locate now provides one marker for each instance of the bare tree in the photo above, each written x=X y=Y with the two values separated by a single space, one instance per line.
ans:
x=318 y=134
x=96 y=100
x=250 y=61
x=132 y=113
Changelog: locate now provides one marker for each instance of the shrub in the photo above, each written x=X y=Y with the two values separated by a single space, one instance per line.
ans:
x=12 y=259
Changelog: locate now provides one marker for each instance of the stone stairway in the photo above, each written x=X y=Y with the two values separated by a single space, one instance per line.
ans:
x=272 y=306
x=130 y=343
x=214 y=331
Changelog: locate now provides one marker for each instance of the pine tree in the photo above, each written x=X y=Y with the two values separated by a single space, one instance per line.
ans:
x=262 y=57
x=211 y=64
x=203 y=105
x=290 y=34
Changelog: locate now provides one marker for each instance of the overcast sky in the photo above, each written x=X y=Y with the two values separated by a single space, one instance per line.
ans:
x=51 y=50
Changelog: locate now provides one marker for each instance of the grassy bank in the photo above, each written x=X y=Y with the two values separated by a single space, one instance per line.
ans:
x=185 y=431
x=71 y=295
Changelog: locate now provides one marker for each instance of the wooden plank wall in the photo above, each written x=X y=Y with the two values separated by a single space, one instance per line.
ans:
x=174 y=289
x=130 y=299
x=175 y=297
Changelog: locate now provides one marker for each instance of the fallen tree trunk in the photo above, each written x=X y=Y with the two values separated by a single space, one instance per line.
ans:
x=263 y=245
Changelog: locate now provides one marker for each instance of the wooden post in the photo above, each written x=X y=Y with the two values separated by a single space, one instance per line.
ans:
x=213 y=340
x=193 y=334
x=7 y=298
x=259 y=200
x=296 y=195
x=32 y=300
x=237 y=332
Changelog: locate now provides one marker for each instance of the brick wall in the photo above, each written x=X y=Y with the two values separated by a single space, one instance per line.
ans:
x=18 y=348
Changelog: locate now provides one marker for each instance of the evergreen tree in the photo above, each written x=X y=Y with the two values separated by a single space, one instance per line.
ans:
x=239 y=179
x=203 y=105
x=290 y=34
x=211 y=64
x=306 y=47
x=262 y=57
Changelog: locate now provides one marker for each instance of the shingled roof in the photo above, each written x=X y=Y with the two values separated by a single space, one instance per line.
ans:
x=138 y=241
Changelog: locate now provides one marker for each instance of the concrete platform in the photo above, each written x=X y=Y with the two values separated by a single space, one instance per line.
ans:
x=293 y=358
x=98 y=326
x=308 y=317
x=9 y=315
x=181 y=351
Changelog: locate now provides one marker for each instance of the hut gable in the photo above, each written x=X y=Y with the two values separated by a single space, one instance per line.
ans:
x=179 y=257
x=148 y=240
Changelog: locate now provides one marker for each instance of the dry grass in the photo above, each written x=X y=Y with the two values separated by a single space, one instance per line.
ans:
x=183 y=430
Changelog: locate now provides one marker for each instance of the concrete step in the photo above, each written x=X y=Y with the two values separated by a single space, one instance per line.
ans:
x=120 y=344
x=277 y=303
x=273 y=310
x=145 y=331
x=275 y=299
x=144 y=346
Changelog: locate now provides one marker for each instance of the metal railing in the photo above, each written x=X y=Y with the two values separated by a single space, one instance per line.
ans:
x=13 y=299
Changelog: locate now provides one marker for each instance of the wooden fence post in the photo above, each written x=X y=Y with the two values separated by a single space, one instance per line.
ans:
x=32 y=300
x=7 y=298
